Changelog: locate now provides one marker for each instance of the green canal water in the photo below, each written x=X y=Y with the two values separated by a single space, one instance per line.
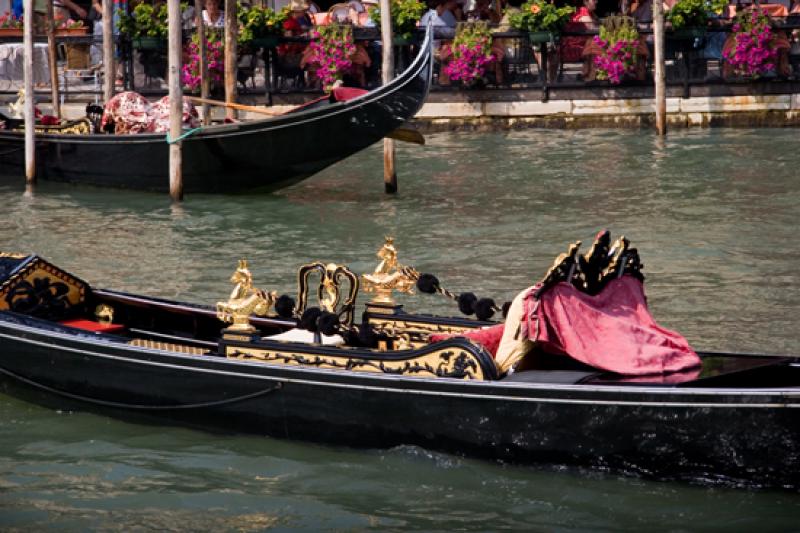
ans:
x=714 y=215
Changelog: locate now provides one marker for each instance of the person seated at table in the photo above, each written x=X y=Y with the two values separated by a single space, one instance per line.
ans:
x=441 y=13
x=483 y=11
x=570 y=48
x=298 y=24
x=213 y=16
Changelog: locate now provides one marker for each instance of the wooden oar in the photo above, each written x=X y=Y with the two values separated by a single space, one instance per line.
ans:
x=401 y=134
x=231 y=105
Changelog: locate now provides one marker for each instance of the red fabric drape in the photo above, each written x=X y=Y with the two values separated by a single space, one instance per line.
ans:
x=612 y=330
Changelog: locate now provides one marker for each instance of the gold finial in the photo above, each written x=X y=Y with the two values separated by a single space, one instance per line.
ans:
x=104 y=314
x=244 y=300
x=388 y=276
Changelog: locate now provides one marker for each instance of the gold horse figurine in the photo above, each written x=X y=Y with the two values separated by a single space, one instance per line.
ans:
x=388 y=276
x=245 y=300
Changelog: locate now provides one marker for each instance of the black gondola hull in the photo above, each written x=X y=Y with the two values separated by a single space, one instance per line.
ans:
x=733 y=435
x=261 y=154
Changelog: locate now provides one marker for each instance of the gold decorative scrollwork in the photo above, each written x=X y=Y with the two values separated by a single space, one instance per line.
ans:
x=446 y=362
x=329 y=291
x=415 y=334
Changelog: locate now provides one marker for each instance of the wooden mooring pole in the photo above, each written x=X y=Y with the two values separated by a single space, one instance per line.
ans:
x=109 y=68
x=660 y=84
x=51 y=60
x=205 y=86
x=27 y=69
x=175 y=100
x=389 y=172
x=231 y=31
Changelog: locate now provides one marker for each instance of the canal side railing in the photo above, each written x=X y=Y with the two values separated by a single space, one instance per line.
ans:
x=694 y=65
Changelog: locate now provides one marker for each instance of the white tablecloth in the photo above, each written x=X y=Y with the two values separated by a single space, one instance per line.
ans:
x=11 y=62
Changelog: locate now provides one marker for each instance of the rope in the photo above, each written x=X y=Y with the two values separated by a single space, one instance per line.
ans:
x=105 y=403
x=183 y=135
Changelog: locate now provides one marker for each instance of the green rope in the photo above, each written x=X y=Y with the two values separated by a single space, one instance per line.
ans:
x=183 y=135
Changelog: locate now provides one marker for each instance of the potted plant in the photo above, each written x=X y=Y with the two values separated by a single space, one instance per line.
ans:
x=146 y=26
x=70 y=27
x=471 y=51
x=10 y=26
x=689 y=18
x=215 y=59
x=260 y=27
x=754 y=52
x=619 y=44
x=332 y=48
x=542 y=20
x=405 y=17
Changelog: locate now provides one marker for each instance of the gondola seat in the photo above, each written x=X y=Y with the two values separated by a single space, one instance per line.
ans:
x=488 y=337
x=305 y=336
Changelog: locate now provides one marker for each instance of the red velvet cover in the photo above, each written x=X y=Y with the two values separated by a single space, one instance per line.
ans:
x=612 y=330
x=91 y=325
x=343 y=94
x=489 y=337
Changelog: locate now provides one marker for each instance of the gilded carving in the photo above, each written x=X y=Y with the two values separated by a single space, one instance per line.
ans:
x=388 y=276
x=449 y=362
x=244 y=300
x=329 y=292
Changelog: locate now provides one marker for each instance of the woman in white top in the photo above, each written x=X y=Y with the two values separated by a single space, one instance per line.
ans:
x=212 y=16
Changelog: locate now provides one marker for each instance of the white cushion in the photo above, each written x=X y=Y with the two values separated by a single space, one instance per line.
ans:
x=305 y=336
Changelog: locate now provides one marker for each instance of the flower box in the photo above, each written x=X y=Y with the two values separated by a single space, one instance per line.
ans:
x=687 y=34
x=149 y=43
x=539 y=37
x=66 y=32
x=268 y=41
x=10 y=32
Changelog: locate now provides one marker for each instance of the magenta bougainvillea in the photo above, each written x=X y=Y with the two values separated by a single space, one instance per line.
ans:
x=215 y=58
x=332 y=48
x=470 y=53
x=619 y=41
x=754 y=53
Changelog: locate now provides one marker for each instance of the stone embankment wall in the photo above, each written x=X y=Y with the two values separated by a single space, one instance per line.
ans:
x=702 y=111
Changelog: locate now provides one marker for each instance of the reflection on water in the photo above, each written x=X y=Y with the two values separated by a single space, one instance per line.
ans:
x=713 y=214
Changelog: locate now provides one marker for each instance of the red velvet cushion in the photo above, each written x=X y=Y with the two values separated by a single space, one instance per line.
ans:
x=489 y=337
x=91 y=325
x=343 y=94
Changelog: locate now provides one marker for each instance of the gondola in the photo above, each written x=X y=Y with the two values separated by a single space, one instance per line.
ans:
x=254 y=155
x=314 y=373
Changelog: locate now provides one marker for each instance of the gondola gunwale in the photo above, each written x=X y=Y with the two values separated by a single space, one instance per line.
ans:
x=422 y=60
x=667 y=397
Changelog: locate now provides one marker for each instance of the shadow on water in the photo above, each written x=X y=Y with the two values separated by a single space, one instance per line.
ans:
x=713 y=213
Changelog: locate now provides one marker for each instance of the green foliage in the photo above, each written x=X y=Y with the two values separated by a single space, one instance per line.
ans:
x=615 y=29
x=258 y=22
x=693 y=13
x=540 y=15
x=145 y=21
x=405 y=16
